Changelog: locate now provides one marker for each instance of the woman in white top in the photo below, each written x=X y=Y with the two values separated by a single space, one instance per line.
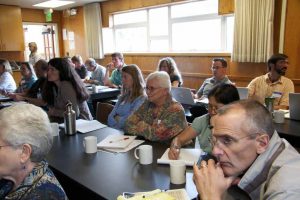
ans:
x=7 y=82
x=33 y=56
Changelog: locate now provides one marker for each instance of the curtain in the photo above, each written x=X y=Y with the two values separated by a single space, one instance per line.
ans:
x=253 y=30
x=93 y=30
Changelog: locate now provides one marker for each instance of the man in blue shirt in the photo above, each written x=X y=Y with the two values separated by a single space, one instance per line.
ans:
x=117 y=63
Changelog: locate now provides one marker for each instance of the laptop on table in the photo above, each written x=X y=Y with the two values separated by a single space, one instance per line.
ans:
x=294 y=104
x=184 y=96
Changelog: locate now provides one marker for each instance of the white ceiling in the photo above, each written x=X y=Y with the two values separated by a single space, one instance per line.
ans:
x=29 y=3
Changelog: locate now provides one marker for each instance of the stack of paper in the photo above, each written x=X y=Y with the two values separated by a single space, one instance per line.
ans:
x=156 y=194
x=189 y=156
x=85 y=126
x=118 y=143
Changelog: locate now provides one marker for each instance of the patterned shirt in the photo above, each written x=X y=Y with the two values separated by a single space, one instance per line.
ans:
x=39 y=184
x=261 y=87
x=162 y=126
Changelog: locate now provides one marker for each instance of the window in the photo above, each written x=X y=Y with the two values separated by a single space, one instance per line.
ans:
x=187 y=27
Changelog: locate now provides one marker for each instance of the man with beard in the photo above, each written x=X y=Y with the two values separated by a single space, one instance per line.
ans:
x=253 y=162
x=273 y=84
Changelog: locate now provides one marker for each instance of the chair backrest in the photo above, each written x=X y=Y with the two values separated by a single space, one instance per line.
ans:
x=102 y=112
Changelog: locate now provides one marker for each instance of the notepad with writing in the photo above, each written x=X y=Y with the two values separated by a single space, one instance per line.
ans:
x=117 y=141
x=189 y=156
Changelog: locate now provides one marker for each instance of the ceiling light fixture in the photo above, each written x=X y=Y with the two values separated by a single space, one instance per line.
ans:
x=53 y=4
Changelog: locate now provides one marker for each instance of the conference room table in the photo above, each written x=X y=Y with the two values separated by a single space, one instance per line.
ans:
x=290 y=130
x=106 y=175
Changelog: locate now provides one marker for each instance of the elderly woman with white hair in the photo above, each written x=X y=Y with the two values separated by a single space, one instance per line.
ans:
x=159 y=118
x=25 y=140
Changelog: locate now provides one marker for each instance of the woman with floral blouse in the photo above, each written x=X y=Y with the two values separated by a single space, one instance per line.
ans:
x=159 y=118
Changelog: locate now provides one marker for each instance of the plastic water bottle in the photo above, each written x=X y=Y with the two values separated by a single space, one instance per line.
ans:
x=70 y=120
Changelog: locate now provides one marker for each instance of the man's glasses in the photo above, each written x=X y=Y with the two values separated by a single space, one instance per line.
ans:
x=216 y=67
x=227 y=141
x=1 y=146
x=151 y=89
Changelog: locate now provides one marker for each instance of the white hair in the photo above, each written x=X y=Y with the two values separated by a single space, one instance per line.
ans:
x=162 y=77
x=27 y=124
x=91 y=62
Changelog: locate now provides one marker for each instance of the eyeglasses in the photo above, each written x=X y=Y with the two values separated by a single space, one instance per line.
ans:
x=1 y=146
x=151 y=89
x=216 y=67
x=213 y=108
x=227 y=141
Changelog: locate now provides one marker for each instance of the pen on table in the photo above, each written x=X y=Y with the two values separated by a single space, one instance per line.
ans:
x=119 y=140
x=154 y=192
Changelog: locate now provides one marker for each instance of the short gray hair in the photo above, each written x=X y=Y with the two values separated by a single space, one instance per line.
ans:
x=27 y=124
x=91 y=62
x=257 y=118
x=162 y=77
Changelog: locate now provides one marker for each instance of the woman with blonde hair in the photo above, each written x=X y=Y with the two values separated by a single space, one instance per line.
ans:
x=7 y=82
x=168 y=65
x=33 y=56
x=132 y=96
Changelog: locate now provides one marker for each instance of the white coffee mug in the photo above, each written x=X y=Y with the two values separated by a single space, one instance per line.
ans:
x=177 y=172
x=55 y=129
x=94 y=88
x=144 y=154
x=90 y=144
x=278 y=116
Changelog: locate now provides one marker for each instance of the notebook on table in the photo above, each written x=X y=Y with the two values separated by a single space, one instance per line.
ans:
x=184 y=96
x=294 y=104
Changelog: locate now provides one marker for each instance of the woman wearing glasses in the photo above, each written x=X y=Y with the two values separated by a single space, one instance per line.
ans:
x=159 y=118
x=220 y=95
x=132 y=96
x=25 y=140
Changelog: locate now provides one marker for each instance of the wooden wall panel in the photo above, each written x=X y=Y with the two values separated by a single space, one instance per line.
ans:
x=76 y=25
x=195 y=69
x=292 y=38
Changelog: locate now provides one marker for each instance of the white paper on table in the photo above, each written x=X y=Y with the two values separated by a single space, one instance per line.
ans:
x=85 y=126
x=133 y=144
x=189 y=156
x=286 y=113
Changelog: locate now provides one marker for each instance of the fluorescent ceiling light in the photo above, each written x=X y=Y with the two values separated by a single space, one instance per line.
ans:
x=53 y=4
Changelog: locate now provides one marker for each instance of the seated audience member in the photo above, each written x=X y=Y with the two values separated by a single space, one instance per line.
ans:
x=117 y=63
x=168 y=65
x=274 y=83
x=159 y=118
x=252 y=158
x=79 y=66
x=132 y=96
x=33 y=95
x=7 y=82
x=25 y=140
x=218 y=68
x=33 y=56
x=28 y=77
x=219 y=96
x=98 y=72
x=64 y=85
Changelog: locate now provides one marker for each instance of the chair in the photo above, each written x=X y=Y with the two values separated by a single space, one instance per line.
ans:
x=102 y=112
